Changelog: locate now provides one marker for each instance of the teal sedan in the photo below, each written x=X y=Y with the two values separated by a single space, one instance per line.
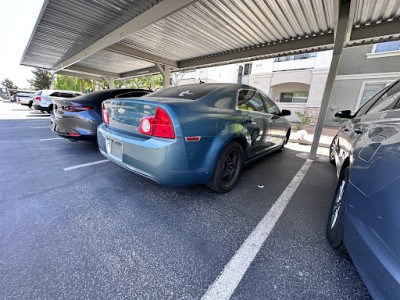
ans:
x=192 y=134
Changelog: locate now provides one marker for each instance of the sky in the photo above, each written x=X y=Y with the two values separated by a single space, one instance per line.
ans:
x=17 y=20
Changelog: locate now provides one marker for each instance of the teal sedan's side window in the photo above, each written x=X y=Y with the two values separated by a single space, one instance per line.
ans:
x=271 y=106
x=250 y=100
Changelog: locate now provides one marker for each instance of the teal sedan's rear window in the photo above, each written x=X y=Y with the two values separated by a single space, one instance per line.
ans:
x=188 y=92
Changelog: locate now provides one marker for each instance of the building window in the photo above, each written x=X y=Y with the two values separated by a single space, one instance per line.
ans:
x=386 y=47
x=370 y=90
x=295 y=57
x=294 y=97
x=247 y=69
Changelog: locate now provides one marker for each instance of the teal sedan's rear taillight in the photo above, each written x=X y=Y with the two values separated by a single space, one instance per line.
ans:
x=159 y=125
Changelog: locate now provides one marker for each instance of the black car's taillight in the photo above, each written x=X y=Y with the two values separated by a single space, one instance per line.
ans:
x=75 y=108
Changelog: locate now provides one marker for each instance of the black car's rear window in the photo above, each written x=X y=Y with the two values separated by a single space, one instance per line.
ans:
x=188 y=92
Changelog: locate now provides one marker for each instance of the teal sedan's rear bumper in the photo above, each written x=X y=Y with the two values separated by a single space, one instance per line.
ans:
x=162 y=160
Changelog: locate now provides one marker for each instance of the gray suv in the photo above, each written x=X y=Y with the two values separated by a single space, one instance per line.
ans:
x=43 y=99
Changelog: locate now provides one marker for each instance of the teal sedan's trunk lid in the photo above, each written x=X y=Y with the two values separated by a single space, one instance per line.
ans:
x=126 y=114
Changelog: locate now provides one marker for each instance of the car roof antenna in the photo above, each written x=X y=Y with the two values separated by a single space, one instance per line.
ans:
x=200 y=81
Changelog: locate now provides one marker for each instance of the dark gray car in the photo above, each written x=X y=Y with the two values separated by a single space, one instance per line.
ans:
x=365 y=211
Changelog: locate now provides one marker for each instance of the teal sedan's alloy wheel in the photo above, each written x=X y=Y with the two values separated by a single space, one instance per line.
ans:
x=227 y=169
x=335 y=226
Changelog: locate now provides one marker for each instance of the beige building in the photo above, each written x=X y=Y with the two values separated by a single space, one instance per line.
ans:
x=294 y=82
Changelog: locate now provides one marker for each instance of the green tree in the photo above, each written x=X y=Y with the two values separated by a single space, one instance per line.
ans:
x=9 y=84
x=42 y=79
x=153 y=82
x=62 y=82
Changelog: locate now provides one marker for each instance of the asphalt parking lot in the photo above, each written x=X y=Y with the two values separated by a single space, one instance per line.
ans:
x=71 y=229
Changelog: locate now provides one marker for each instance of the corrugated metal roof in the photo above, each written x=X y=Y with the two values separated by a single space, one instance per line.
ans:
x=209 y=27
x=370 y=12
x=194 y=31
x=113 y=62
x=378 y=12
x=67 y=27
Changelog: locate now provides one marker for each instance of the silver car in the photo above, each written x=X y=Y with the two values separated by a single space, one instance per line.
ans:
x=43 y=99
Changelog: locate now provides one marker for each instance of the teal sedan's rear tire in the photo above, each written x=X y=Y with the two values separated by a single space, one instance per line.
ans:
x=227 y=169
x=336 y=219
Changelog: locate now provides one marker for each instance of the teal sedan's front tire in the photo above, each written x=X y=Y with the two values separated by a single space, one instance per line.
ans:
x=227 y=169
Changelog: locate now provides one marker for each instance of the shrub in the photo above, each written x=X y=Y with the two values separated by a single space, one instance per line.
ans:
x=304 y=120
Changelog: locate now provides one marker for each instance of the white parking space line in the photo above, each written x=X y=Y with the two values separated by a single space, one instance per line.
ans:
x=36 y=120
x=40 y=127
x=230 y=277
x=57 y=138
x=86 y=165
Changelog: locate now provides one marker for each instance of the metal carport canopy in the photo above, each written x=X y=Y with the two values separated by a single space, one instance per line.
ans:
x=130 y=38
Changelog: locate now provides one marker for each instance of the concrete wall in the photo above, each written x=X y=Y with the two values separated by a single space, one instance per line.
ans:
x=358 y=60
x=346 y=94
x=263 y=66
x=276 y=91
x=225 y=74
x=317 y=87
x=295 y=64
x=300 y=76
x=261 y=82
x=358 y=66
x=323 y=60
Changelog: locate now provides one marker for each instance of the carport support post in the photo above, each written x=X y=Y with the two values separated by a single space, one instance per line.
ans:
x=167 y=76
x=111 y=82
x=340 y=37
x=165 y=72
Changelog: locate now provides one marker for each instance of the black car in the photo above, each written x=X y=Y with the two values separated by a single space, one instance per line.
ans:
x=78 y=118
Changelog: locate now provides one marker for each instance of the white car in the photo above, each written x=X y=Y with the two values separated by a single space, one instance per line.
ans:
x=43 y=99
x=24 y=98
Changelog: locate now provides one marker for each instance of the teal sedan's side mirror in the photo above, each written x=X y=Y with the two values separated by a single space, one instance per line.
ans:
x=285 y=112
x=344 y=114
